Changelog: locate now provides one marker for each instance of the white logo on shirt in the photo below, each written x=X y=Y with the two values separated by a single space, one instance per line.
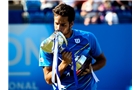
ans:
x=77 y=40
x=68 y=74
x=41 y=60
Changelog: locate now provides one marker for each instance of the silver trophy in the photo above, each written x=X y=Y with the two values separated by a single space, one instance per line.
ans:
x=48 y=45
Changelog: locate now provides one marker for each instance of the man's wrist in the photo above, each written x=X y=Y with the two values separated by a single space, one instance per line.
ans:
x=64 y=63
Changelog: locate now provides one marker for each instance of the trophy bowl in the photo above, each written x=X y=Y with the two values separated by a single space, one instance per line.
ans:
x=47 y=46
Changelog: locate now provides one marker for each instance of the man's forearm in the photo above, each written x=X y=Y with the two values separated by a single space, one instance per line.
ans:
x=98 y=65
x=62 y=67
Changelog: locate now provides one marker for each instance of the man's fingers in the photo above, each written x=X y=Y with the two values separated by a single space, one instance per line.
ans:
x=86 y=71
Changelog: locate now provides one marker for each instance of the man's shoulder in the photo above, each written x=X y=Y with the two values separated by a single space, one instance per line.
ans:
x=80 y=31
x=83 y=33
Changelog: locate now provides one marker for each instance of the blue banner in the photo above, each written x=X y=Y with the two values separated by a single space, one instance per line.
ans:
x=24 y=42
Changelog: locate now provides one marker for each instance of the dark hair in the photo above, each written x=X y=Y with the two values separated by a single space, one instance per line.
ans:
x=65 y=10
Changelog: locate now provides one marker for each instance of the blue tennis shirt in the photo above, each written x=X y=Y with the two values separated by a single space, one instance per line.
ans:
x=77 y=43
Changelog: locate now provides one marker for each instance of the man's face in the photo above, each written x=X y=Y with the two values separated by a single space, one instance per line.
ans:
x=62 y=24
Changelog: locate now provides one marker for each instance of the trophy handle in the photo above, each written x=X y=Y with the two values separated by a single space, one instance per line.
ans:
x=63 y=38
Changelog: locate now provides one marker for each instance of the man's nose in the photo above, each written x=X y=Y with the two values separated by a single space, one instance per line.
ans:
x=59 y=28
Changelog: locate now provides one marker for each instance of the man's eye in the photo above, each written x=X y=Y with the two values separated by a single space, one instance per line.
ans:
x=62 y=24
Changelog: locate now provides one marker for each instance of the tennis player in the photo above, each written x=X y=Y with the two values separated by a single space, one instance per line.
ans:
x=81 y=45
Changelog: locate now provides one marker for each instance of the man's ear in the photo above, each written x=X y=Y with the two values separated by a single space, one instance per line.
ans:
x=71 y=24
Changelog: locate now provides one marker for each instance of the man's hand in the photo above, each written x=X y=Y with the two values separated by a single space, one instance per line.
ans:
x=66 y=57
x=66 y=60
x=86 y=71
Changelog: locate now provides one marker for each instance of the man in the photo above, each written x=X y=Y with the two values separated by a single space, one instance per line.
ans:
x=80 y=43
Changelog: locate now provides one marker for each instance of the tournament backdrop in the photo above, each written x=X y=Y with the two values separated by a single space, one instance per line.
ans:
x=23 y=53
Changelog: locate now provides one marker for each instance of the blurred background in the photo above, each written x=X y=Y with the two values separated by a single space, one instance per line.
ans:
x=31 y=21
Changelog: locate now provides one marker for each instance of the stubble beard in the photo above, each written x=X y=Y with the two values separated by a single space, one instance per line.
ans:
x=68 y=32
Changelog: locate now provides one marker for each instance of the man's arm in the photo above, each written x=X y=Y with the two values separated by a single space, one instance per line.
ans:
x=100 y=62
x=66 y=60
